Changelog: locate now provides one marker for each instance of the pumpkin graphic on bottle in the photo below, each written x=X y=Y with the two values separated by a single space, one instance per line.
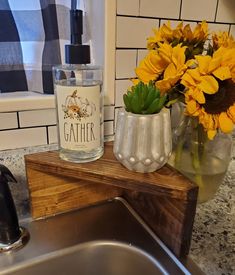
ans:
x=77 y=107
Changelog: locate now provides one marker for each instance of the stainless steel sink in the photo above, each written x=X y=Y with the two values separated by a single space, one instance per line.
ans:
x=105 y=239
x=101 y=257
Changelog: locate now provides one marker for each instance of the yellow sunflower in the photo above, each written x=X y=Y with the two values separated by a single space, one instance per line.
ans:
x=210 y=93
x=164 y=34
x=180 y=34
x=223 y=39
x=227 y=56
x=200 y=33
x=151 y=67
x=175 y=56
x=165 y=66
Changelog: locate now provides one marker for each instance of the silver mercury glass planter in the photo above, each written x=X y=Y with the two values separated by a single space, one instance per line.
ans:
x=143 y=143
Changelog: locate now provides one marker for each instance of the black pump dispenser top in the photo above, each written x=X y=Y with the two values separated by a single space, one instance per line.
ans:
x=76 y=53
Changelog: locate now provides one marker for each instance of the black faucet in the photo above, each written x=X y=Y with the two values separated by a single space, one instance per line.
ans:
x=9 y=226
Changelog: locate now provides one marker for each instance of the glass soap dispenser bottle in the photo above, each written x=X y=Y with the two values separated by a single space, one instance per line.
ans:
x=79 y=101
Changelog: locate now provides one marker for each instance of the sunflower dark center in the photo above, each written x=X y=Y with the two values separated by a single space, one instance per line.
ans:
x=222 y=100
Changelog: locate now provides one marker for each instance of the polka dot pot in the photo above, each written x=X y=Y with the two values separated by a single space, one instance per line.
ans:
x=143 y=143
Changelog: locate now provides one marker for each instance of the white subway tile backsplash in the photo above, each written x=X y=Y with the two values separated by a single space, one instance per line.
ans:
x=160 y=8
x=226 y=11
x=19 y=101
x=213 y=27
x=37 y=117
x=108 y=112
x=108 y=128
x=128 y=7
x=12 y=139
x=125 y=63
x=133 y=32
x=232 y=30
x=141 y=55
x=8 y=121
x=121 y=88
x=52 y=134
x=198 y=10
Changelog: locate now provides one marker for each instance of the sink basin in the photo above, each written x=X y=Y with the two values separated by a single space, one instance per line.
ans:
x=105 y=239
x=92 y=258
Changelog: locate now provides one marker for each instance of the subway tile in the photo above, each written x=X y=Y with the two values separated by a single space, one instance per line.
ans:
x=198 y=10
x=125 y=63
x=160 y=8
x=12 y=139
x=8 y=121
x=133 y=32
x=226 y=11
x=52 y=134
x=141 y=55
x=121 y=88
x=232 y=30
x=20 y=101
x=37 y=117
x=128 y=7
x=213 y=27
x=108 y=112
x=108 y=128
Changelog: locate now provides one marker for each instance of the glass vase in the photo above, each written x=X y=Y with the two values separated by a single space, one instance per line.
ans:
x=203 y=161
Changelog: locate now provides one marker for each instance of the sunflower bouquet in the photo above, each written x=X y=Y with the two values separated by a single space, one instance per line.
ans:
x=197 y=68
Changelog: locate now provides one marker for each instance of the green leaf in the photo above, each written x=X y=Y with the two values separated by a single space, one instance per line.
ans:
x=161 y=103
x=135 y=104
x=145 y=92
x=153 y=107
x=127 y=102
x=150 y=98
x=129 y=94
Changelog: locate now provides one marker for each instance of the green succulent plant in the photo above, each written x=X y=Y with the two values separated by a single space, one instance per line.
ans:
x=144 y=99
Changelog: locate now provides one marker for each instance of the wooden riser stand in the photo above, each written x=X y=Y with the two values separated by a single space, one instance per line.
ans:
x=165 y=199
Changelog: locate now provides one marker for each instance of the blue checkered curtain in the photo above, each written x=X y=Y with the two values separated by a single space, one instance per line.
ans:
x=32 y=38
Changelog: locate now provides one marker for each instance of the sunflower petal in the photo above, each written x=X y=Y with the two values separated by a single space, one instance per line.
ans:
x=187 y=80
x=199 y=96
x=170 y=71
x=163 y=85
x=225 y=123
x=135 y=81
x=209 y=84
x=231 y=113
x=203 y=63
x=211 y=134
x=222 y=73
x=214 y=64
x=192 y=107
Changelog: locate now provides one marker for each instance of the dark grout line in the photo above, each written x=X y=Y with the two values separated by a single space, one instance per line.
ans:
x=216 y=10
x=181 y=4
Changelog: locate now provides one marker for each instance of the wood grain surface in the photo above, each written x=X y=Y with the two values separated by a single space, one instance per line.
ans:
x=165 y=199
x=107 y=170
